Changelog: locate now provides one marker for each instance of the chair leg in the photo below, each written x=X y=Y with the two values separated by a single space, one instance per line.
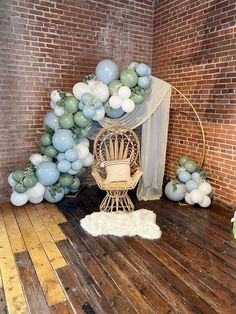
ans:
x=116 y=201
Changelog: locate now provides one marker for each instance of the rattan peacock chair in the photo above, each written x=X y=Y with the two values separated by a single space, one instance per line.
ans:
x=116 y=167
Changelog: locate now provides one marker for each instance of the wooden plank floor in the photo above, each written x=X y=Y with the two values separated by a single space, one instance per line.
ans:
x=48 y=264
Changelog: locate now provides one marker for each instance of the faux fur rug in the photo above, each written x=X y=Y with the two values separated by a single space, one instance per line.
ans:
x=141 y=222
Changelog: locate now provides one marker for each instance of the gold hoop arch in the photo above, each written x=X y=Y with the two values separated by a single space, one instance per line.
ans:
x=200 y=124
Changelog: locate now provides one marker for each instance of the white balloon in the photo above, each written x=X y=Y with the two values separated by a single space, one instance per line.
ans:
x=79 y=89
x=36 y=191
x=52 y=105
x=11 y=181
x=115 y=102
x=196 y=196
x=69 y=94
x=71 y=171
x=132 y=65
x=205 y=187
x=36 y=200
x=88 y=161
x=99 y=114
x=93 y=83
x=128 y=105
x=83 y=141
x=188 y=199
x=59 y=111
x=101 y=91
x=82 y=150
x=19 y=199
x=206 y=201
x=124 y=92
x=55 y=96
x=36 y=159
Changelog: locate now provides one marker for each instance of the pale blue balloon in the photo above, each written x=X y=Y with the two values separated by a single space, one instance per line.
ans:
x=77 y=165
x=141 y=69
x=64 y=166
x=63 y=140
x=144 y=82
x=81 y=105
x=60 y=156
x=89 y=112
x=86 y=97
x=47 y=173
x=184 y=176
x=55 y=198
x=191 y=185
x=51 y=120
x=196 y=176
x=71 y=155
x=107 y=71
x=66 y=190
x=115 y=113
x=149 y=71
x=175 y=193
x=98 y=104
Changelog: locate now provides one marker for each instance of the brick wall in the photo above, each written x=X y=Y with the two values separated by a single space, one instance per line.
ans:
x=194 y=50
x=47 y=45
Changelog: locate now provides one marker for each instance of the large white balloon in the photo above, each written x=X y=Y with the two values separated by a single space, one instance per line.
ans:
x=101 y=91
x=99 y=114
x=36 y=200
x=19 y=199
x=124 y=92
x=36 y=159
x=115 y=102
x=59 y=111
x=196 y=196
x=188 y=199
x=128 y=105
x=11 y=181
x=79 y=89
x=55 y=96
x=82 y=150
x=206 y=201
x=205 y=187
x=36 y=191
x=88 y=160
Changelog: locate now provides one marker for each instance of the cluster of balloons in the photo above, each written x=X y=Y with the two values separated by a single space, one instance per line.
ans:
x=64 y=146
x=190 y=184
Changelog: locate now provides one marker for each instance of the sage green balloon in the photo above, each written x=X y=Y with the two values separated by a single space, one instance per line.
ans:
x=129 y=78
x=80 y=120
x=29 y=181
x=190 y=165
x=76 y=184
x=18 y=175
x=42 y=149
x=82 y=133
x=20 y=188
x=71 y=104
x=46 y=139
x=50 y=151
x=182 y=160
x=137 y=99
x=66 y=180
x=114 y=86
x=81 y=172
x=66 y=121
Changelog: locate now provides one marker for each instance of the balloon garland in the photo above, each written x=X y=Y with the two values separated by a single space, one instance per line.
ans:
x=64 y=146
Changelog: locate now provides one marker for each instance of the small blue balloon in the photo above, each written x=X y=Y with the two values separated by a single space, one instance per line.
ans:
x=89 y=112
x=144 y=82
x=71 y=155
x=81 y=105
x=51 y=120
x=77 y=165
x=55 y=197
x=64 y=166
x=98 y=104
x=184 y=176
x=66 y=190
x=60 y=156
x=115 y=113
x=149 y=71
x=141 y=69
x=63 y=140
x=86 y=97
x=47 y=173
x=191 y=185
x=107 y=71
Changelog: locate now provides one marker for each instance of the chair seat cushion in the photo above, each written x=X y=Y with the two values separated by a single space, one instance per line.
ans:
x=117 y=170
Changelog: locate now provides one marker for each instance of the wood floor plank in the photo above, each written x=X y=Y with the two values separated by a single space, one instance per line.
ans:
x=33 y=291
x=50 y=247
x=50 y=223
x=61 y=308
x=55 y=213
x=14 y=235
x=15 y=298
x=3 y=303
x=47 y=278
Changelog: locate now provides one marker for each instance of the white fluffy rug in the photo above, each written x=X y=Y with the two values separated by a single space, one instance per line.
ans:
x=141 y=222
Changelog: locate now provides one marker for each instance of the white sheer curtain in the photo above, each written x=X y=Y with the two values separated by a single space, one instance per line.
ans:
x=153 y=114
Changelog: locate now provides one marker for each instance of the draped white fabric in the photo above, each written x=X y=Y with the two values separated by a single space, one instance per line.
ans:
x=153 y=114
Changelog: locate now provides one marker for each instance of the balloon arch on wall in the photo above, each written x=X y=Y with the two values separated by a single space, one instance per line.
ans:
x=64 y=146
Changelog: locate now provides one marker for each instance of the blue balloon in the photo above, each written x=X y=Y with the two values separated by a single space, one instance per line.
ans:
x=141 y=69
x=175 y=193
x=98 y=104
x=107 y=71
x=63 y=140
x=191 y=185
x=64 y=166
x=115 y=113
x=89 y=112
x=77 y=165
x=60 y=156
x=149 y=71
x=53 y=198
x=184 y=176
x=144 y=82
x=47 y=173
x=81 y=105
x=86 y=97
x=71 y=155
x=51 y=120
x=66 y=190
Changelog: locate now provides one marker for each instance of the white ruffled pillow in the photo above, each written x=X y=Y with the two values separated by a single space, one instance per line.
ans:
x=117 y=170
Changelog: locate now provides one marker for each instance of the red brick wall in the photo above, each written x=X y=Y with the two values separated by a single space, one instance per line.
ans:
x=194 y=50
x=47 y=45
